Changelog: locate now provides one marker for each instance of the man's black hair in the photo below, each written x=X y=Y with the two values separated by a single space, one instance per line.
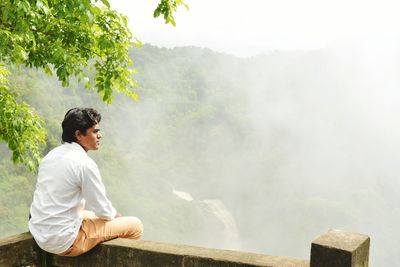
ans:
x=78 y=119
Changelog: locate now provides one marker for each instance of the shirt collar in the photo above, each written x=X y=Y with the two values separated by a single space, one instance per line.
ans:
x=76 y=146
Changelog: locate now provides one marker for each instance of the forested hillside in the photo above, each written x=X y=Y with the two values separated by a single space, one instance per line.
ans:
x=290 y=144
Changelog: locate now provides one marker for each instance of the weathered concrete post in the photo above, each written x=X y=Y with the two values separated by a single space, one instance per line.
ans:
x=340 y=249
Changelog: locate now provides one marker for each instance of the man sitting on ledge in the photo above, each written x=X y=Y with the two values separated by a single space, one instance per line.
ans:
x=67 y=177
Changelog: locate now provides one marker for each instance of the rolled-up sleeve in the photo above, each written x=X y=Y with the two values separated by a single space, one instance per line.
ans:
x=94 y=192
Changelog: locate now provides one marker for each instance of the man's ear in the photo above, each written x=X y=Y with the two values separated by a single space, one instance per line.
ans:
x=78 y=135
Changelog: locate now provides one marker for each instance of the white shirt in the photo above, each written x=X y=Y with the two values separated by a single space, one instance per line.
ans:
x=67 y=177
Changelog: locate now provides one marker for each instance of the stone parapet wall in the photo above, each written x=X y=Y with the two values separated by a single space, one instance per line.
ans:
x=21 y=250
x=125 y=252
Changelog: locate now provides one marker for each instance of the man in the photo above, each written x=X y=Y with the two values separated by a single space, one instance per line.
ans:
x=67 y=179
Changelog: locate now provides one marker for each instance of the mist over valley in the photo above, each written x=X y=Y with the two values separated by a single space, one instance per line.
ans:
x=258 y=154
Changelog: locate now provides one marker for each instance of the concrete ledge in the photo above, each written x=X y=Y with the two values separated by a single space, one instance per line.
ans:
x=125 y=252
x=333 y=249
x=340 y=249
x=19 y=250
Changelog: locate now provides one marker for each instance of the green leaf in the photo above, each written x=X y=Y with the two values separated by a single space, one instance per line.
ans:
x=47 y=70
x=106 y=3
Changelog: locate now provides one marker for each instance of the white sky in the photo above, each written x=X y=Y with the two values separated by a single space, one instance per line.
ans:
x=251 y=27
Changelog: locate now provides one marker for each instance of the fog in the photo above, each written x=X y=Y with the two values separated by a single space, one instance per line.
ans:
x=263 y=154
x=259 y=126
x=259 y=26
x=259 y=154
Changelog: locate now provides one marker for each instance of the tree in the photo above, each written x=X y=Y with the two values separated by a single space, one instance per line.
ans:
x=73 y=38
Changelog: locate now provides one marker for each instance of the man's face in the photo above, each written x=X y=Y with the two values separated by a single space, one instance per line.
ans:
x=90 y=140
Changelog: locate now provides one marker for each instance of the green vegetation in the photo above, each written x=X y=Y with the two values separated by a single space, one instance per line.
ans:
x=19 y=126
x=72 y=38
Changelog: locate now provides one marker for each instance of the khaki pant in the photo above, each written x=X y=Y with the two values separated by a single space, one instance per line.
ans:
x=95 y=230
